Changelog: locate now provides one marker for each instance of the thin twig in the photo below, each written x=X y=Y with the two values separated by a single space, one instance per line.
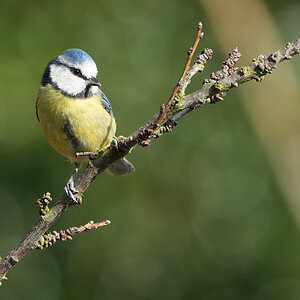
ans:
x=186 y=67
x=145 y=135
x=49 y=239
x=190 y=54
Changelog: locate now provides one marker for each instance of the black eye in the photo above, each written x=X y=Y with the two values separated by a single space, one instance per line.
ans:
x=76 y=72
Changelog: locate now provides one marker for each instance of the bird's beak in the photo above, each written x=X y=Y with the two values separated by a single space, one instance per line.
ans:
x=94 y=81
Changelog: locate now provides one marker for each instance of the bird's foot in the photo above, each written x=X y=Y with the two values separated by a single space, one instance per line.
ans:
x=91 y=155
x=114 y=142
x=73 y=193
x=79 y=154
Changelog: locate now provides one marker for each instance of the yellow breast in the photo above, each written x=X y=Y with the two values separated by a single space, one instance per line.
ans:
x=74 y=124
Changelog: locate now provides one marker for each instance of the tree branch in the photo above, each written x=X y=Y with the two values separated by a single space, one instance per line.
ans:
x=179 y=104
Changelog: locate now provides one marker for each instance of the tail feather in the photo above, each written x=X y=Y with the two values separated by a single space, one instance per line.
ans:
x=120 y=167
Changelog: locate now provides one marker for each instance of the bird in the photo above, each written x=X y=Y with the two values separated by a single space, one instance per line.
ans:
x=74 y=113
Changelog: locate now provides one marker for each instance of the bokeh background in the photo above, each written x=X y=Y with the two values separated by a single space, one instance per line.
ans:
x=213 y=209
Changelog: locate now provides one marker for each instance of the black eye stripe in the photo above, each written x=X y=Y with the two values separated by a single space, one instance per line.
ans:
x=77 y=72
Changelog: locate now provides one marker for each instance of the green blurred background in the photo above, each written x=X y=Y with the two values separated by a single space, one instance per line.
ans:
x=212 y=210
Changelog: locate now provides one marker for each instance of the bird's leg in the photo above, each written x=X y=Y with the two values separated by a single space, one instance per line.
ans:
x=70 y=186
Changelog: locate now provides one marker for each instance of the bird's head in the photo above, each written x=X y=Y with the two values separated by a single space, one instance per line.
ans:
x=74 y=73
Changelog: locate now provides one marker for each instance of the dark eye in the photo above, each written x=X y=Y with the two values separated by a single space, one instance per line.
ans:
x=76 y=72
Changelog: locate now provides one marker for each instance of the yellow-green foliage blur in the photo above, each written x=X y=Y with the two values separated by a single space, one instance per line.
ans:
x=213 y=209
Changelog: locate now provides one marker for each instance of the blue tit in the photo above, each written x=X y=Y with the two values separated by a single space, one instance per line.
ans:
x=74 y=113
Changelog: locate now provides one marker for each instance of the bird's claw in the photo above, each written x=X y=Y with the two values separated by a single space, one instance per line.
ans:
x=73 y=193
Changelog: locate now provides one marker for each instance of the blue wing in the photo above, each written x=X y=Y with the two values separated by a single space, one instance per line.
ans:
x=105 y=102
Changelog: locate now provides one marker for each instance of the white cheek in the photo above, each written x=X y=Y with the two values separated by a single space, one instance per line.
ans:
x=66 y=81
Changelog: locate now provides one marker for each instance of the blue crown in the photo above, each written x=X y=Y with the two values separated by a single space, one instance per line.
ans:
x=75 y=56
